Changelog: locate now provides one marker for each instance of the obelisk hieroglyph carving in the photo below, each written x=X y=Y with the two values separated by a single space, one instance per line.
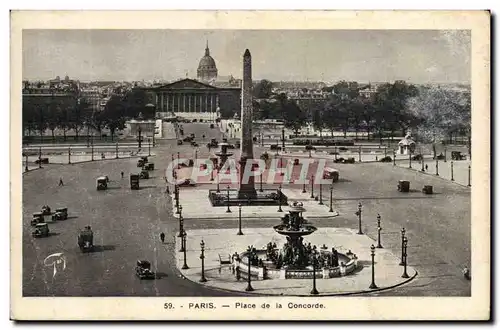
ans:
x=247 y=184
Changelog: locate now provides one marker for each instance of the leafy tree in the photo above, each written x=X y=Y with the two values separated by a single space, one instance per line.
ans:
x=113 y=115
x=263 y=89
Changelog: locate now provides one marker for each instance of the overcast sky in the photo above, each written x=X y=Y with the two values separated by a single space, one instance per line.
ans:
x=419 y=56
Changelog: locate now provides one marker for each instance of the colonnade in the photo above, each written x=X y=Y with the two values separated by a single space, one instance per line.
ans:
x=195 y=102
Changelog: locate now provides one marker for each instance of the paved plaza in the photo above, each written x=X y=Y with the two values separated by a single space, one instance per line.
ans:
x=225 y=242
x=127 y=224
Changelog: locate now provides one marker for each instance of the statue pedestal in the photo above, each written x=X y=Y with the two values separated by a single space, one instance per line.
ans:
x=246 y=189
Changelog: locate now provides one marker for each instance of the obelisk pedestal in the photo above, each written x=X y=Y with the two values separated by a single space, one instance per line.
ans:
x=247 y=183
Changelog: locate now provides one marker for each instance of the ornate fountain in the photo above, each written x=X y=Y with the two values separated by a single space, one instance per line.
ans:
x=295 y=259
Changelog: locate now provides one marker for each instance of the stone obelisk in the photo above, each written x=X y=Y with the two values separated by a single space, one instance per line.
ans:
x=246 y=189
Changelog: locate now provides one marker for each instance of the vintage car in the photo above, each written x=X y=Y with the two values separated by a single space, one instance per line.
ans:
x=331 y=174
x=46 y=210
x=213 y=144
x=42 y=161
x=102 y=183
x=149 y=166
x=37 y=218
x=60 y=214
x=86 y=239
x=140 y=162
x=143 y=270
x=41 y=230
x=187 y=139
x=179 y=142
x=144 y=158
x=194 y=144
x=457 y=155
x=404 y=186
x=144 y=174
x=134 y=181
x=185 y=183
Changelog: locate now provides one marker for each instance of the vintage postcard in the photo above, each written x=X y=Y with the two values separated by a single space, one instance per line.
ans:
x=250 y=165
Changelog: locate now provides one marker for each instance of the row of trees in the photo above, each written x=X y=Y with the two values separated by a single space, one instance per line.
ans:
x=433 y=114
x=77 y=115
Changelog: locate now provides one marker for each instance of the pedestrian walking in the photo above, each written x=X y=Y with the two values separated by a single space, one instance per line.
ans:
x=426 y=167
x=61 y=183
x=122 y=174
x=162 y=237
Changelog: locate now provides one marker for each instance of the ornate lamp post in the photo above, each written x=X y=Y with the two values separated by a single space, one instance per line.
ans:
x=358 y=213
x=218 y=183
x=239 y=220
x=202 y=257
x=139 y=138
x=177 y=203
x=437 y=166
x=451 y=163
x=279 y=199
x=249 y=275
x=315 y=263
x=181 y=222
x=405 y=254
x=260 y=177
x=149 y=146
x=40 y=158
x=359 y=151
x=445 y=154
x=379 y=228
x=331 y=199
x=373 y=285
x=283 y=139
x=422 y=169
x=468 y=182
x=228 y=209
x=116 y=150
x=312 y=186
x=92 y=148
x=184 y=237
x=403 y=233
x=394 y=158
x=304 y=186
x=409 y=156
x=69 y=155
x=320 y=194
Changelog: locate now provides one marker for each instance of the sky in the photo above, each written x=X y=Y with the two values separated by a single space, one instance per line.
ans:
x=417 y=56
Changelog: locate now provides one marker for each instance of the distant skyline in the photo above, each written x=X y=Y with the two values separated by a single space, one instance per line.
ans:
x=417 y=56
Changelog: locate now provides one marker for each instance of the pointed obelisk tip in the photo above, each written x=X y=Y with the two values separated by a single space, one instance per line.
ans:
x=247 y=53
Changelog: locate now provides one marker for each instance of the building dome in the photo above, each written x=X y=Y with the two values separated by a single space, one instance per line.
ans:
x=207 y=70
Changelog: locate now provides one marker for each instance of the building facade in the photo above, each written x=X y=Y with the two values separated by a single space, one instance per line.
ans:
x=193 y=99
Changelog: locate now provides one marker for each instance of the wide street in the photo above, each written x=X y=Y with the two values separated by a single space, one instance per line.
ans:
x=127 y=224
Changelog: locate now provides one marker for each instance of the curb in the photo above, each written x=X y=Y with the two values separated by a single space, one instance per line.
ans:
x=436 y=176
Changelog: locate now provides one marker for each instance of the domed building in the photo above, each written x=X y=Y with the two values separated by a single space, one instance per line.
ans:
x=207 y=70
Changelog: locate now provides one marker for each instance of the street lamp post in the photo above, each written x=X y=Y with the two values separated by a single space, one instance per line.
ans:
x=445 y=154
x=331 y=199
x=202 y=257
x=437 y=166
x=315 y=261
x=40 y=158
x=320 y=194
x=409 y=156
x=422 y=155
x=451 y=163
x=181 y=222
x=249 y=275
x=218 y=183
x=116 y=149
x=228 y=209
x=69 y=155
x=139 y=138
x=312 y=186
x=184 y=237
x=373 y=285
x=379 y=229
x=283 y=139
x=176 y=195
x=403 y=233
x=468 y=182
x=212 y=173
x=239 y=220
x=359 y=151
x=26 y=162
x=279 y=199
x=260 y=177
x=358 y=213
x=394 y=158
x=405 y=254
x=92 y=148
x=149 y=146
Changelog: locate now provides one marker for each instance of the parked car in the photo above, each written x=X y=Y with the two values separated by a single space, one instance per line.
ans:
x=61 y=214
x=102 y=183
x=143 y=270
x=37 y=218
x=41 y=230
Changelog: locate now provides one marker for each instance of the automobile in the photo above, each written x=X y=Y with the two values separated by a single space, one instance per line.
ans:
x=143 y=270
x=149 y=166
x=194 y=144
x=310 y=147
x=331 y=174
x=86 y=239
x=212 y=126
x=60 y=214
x=134 y=181
x=417 y=157
x=179 y=142
x=403 y=186
x=37 y=218
x=140 y=162
x=144 y=174
x=44 y=160
x=144 y=158
x=187 y=139
x=46 y=210
x=102 y=183
x=41 y=230
x=457 y=155
x=185 y=183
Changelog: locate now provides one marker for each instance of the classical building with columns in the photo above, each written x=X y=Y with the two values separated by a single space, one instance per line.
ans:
x=192 y=99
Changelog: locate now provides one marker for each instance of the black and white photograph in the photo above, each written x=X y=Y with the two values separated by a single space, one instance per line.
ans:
x=300 y=166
